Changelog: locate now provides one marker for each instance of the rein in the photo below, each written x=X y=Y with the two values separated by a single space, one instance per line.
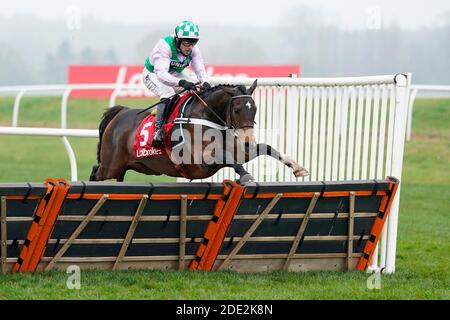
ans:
x=210 y=109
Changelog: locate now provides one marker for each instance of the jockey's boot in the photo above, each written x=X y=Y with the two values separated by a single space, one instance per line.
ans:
x=158 y=136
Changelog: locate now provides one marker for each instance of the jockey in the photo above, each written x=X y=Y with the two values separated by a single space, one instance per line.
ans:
x=163 y=73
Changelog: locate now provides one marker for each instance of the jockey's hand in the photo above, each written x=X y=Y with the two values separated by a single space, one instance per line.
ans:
x=206 y=85
x=187 y=85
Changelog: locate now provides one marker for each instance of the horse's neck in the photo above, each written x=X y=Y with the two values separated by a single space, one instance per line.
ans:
x=217 y=101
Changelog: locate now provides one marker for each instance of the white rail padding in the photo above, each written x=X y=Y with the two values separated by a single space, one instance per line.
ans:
x=27 y=131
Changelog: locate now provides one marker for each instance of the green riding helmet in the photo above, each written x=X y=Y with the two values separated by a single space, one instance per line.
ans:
x=187 y=30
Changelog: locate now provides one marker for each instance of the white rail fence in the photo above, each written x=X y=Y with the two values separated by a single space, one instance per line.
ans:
x=63 y=132
x=55 y=132
x=338 y=128
x=414 y=90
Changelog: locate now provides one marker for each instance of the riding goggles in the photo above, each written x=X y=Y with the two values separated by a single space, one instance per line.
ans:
x=189 y=42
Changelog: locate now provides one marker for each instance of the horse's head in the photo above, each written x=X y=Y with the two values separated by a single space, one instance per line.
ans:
x=240 y=111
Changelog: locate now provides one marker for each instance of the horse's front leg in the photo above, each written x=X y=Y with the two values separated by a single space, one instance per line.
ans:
x=244 y=175
x=264 y=149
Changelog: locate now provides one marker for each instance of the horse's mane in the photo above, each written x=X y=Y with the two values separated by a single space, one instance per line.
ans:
x=240 y=89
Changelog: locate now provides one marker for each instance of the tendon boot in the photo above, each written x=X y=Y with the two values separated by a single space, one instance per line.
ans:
x=158 y=136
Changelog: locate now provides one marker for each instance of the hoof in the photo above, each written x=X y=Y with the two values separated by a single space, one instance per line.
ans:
x=301 y=172
x=247 y=178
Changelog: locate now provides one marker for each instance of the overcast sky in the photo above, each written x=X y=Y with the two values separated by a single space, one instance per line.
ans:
x=348 y=14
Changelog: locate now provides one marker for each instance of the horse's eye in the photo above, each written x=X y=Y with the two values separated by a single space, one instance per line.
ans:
x=236 y=110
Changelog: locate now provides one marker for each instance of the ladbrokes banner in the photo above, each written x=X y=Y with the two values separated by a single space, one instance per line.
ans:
x=131 y=74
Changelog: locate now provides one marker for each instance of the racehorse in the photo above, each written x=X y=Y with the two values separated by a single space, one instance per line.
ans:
x=226 y=110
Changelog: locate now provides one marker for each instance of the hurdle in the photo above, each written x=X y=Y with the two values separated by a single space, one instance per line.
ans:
x=260 y=227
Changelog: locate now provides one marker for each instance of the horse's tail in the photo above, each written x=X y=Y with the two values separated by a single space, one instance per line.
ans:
x=106 y=119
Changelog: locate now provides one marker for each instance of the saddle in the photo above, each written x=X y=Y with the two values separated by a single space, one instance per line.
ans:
x=142 y=144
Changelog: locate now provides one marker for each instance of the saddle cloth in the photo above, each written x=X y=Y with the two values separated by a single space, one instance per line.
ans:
x=142 y=144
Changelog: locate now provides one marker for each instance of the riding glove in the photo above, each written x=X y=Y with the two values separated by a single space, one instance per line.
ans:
x=206 y=85
x=187 y=85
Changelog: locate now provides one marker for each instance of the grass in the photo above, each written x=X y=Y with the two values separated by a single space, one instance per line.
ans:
x=423 y=252
x=219 y=285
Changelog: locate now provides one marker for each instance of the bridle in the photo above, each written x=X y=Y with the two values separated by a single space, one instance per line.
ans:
x=228 y=123
x=230 y=110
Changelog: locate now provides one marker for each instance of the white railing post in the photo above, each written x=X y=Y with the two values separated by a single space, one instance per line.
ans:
x=401 y=100
x=65 y=141
x=112 y=98
x=64 y=100
x=15 y=119
x=412 y=97
x=118 y=87
x=72 y=159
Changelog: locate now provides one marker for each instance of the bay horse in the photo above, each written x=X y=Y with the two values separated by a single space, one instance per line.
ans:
x=226 y=110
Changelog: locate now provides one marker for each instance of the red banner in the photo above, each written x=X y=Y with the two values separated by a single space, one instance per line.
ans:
x=132 y=74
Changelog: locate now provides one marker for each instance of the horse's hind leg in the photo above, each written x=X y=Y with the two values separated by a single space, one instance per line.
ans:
x=105 y=173
x=93 y=176
x=122 y=176
x=113 y=165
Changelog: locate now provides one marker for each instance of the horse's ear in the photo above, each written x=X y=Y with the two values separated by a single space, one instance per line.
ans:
x=253 y=87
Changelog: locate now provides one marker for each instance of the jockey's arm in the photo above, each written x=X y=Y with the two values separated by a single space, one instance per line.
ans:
x=198 y=66
x=160 y=58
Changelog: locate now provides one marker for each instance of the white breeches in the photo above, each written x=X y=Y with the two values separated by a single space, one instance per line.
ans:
x=161 y=90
